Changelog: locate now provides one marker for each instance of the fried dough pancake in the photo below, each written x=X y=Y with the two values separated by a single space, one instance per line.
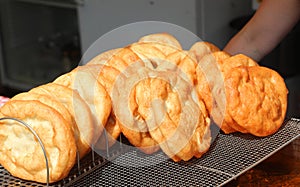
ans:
x=211 y=91
x=79 y=110
x=162 y=57
x=202 y=48
x=162 y=38
x=256 y=99
x=47 y=100
x=118 y=58
x=210 y=84
x=137 y=132
x=226 y=66
x=104 y=57
x=148 y=53
x=235 y=61
x=157 y=115
x=183 y=62
x=83 y=79
x=20 y=152
x=107 y=76
x=220 y=56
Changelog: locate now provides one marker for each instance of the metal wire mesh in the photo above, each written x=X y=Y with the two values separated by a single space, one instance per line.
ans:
x=229 y=156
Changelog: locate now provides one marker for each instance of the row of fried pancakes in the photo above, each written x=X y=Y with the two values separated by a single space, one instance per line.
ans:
x=158 y=95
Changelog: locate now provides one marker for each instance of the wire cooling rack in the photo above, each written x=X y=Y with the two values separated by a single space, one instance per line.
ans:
x=229 y=157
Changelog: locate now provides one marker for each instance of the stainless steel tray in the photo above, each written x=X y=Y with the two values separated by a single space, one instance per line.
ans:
x=229 y=156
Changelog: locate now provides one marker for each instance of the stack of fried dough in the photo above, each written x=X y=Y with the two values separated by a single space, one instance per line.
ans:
x=158 y=95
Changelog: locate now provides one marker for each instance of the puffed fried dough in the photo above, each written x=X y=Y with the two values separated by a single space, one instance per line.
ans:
x=256 y=99
x=209 y=90
x=104 y=57
x=79 y=110
x=235 y=61
x=107 y=76
x=162 y=38
x=162 y=57
x=145 y=116
x=127 y=55
x=149 y=54
x=119 y=59
x=20 y=152
x=183 y=63
x=83 y=79
x=175 y=124
x=202 y=48
x=226 y=65
x=210 y=84
x=47 y=100
x=136 y=131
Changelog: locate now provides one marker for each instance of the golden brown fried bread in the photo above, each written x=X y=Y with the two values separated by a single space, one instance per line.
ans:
x=235 y=61
x=21 y=153
x=226 y=66
x=117 y=58
x=158 y=115
x=79 y=110
x=47 y=100
x=162 y=57
x=183 y=63
x=202 y=48
x=164 y=42
x=256 y=100
x=107 y=77
x=104 y=57
x=161 y=38
x=83 y=79
x=131 y=123
x=210 y=73
x=210 y=84
x=149 y=54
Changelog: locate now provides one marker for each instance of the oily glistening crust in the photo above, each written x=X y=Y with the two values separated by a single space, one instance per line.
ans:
x=256 y=99
x=22 y=155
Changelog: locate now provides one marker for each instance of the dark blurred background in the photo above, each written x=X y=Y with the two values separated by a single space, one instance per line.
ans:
x=42 y=39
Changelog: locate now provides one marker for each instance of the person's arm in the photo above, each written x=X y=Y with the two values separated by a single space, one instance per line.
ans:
x=269 y=25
